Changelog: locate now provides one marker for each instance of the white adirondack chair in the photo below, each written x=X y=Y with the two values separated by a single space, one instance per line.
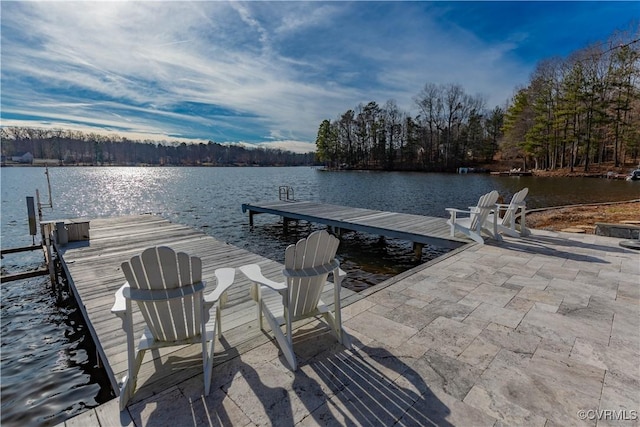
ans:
x=307 y=266
x=512 y=222
x=475 y=223
x=169 y=291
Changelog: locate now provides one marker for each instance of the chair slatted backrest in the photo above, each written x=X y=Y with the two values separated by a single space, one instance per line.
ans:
x=480 y=212
x=170 y=316
x=319 y=249
x=514 y=205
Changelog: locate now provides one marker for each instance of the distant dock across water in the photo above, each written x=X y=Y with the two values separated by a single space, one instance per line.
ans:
x=513 y=173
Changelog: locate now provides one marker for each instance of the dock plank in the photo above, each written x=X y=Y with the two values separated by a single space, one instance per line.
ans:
x=94 y=273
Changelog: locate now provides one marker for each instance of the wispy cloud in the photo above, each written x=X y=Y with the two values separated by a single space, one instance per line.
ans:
x=263 y=72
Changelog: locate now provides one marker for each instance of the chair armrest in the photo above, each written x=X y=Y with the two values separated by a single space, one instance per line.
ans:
x=120 y=304
x=457 y=210
x=253 y=273
x=338 y=278
x=453 y=215
x=499 y=207
x=224 y=278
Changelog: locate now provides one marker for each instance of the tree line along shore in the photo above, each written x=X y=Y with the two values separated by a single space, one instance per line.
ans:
x=574 y=113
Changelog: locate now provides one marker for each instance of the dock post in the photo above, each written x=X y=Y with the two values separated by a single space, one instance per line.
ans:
x=31 y=213
x=46 y=237
x=417 y=250
x=250 y=218
x=62 y=235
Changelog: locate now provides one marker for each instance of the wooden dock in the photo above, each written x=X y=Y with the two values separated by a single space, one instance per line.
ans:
x=93 y=270
x=513 y=173
x=421 y=230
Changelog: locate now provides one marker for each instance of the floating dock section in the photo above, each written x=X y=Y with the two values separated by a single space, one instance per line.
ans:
x=418 y=229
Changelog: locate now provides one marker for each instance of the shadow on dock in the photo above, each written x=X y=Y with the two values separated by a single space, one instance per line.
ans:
x=334 y=386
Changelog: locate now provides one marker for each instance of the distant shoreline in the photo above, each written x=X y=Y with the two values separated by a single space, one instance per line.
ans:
x=597 y=171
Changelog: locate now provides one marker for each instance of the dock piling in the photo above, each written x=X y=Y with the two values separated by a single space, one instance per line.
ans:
x=31 y=214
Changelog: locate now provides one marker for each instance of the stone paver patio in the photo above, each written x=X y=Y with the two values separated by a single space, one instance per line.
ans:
x=540 y=331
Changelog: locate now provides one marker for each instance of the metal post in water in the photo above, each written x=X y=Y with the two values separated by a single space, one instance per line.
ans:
x=47 y=229
x=46 y=172
x=39 y=205
x=31 y=214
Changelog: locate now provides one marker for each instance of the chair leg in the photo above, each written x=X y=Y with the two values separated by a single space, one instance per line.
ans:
x=476 y=237
x=452 y=224
x=346 y=340
x=256 y=294
x=125 y=393
x=130 y=382
x=524 y=231
x=336 y=327
x=208 y=365
x=283 y=341
x=219 y=321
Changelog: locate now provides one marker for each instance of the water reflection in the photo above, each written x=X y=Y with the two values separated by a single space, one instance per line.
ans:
x=210 y=198
x=429 y=194
x=49 y=372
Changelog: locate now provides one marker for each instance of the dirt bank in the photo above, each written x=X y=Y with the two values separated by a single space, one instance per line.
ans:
x=583 y=216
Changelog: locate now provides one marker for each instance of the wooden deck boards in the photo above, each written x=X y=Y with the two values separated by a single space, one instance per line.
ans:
x=414 y=228
x=93 y=269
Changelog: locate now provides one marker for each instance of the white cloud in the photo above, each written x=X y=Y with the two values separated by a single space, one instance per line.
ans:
x=229 y=71
x=138 y=52
x=293 y=146
x=139 y=135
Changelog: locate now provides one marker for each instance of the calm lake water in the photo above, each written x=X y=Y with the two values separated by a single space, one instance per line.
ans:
x=47 y=364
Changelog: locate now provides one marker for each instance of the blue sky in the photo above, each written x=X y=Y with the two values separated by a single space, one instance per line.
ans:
x=269 y=72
